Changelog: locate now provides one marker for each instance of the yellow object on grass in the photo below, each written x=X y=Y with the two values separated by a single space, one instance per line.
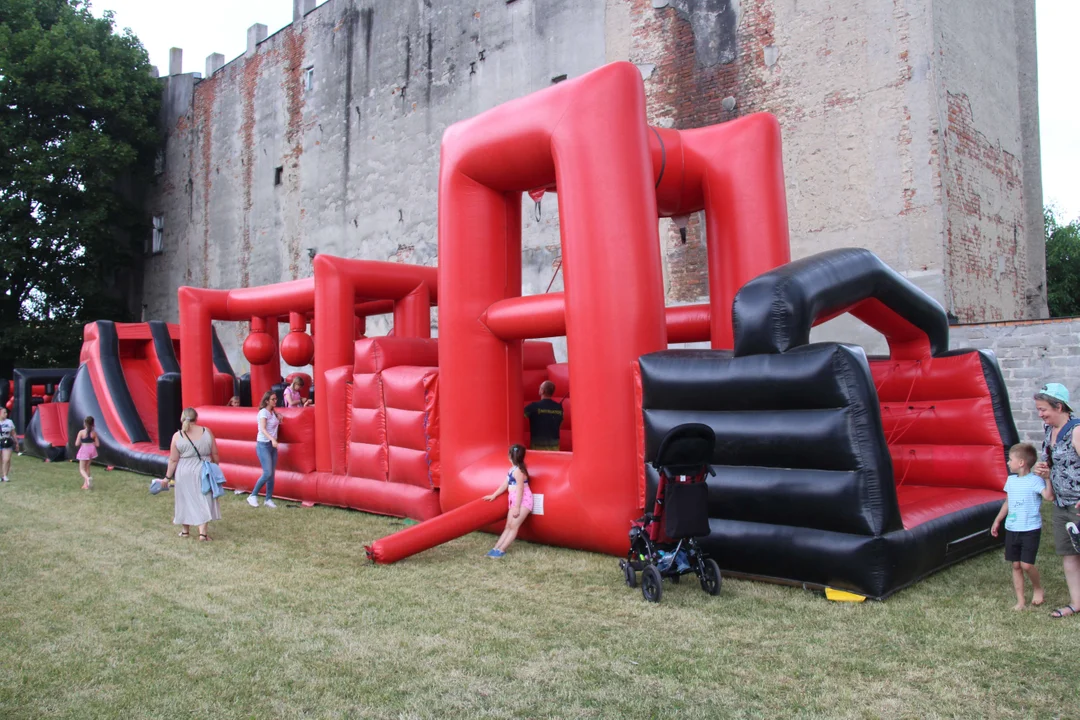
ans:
x=842 y=596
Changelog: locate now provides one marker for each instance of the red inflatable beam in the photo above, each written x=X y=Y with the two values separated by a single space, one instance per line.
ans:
x=538 y=316
x=460 y=521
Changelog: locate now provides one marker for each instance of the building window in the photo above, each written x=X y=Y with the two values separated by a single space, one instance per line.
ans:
x=309 y=78
x=277 y=175
x=157 y=238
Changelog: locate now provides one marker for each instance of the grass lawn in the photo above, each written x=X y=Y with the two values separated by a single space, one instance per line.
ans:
x=106 y=613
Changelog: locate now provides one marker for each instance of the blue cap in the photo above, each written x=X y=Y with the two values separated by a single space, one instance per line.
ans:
x=1057 y=391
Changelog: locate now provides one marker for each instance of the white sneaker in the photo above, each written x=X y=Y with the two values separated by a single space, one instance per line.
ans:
x=237 y=492
x=253 y=501
x=270 y=504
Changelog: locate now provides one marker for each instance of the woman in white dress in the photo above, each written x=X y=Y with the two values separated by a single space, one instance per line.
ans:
x=190 y=446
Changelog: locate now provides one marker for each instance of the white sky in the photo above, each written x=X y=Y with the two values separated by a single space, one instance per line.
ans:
x=202 y=27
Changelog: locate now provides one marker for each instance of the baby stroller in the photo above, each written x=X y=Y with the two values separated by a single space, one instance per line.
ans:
x=663 y=542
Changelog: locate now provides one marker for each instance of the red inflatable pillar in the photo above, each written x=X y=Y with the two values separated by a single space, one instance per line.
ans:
x=735 y=173
x=261 y=350
x=747 y=230
x=588 y=136
x=197 y=310
x=335 y=329
x=412 y=314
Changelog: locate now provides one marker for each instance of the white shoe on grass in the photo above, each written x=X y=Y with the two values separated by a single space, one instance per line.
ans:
x=253 y=501
x=237 y=492
x=270 y=504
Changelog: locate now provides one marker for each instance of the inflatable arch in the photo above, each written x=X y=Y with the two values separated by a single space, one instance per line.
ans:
x=588 y=139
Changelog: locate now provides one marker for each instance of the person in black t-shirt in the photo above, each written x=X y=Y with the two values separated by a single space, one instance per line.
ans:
x=545 y=418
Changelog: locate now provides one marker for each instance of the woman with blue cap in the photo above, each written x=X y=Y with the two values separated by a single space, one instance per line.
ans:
x=1060 y=464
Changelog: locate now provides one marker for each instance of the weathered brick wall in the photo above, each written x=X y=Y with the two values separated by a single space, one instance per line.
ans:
x=357 y=146
x=981 y=66
x=884 y=147
x=1031 y=354
x=896 y=136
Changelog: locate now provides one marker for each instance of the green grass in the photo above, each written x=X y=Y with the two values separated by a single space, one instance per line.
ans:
x=105 y=613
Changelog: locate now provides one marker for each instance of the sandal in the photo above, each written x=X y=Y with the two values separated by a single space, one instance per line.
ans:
x=185 y=533
x=1059 y=613
x=204 y=537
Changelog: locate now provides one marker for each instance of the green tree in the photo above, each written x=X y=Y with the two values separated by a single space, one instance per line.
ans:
x=78 y=136
x=1062 y=266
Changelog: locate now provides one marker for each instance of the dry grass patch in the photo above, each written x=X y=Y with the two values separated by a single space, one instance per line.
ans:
x=105 y=613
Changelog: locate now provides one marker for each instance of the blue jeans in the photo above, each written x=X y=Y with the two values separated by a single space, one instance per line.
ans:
x=267 y=454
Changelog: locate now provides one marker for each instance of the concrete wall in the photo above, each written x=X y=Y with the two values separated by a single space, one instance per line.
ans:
x=1031 y=354
x=860 y=89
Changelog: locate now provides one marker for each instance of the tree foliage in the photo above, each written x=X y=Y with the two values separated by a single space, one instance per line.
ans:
x=1062 y=266
x=78 y=135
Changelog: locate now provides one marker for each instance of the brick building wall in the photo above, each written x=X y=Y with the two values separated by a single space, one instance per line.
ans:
x=1031 y=354
x=907 y=129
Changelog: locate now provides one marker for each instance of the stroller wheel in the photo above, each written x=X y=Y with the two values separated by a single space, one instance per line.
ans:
x=651 y=588
x=628 y=574
x=710 y=576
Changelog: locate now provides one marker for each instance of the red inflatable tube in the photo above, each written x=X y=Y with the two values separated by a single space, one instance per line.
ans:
x=444 y=528
x=613 y=306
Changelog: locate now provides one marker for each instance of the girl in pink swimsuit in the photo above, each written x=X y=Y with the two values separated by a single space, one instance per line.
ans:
x=519 y=497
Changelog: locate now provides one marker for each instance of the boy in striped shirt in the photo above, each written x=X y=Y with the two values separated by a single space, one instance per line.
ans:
x=1023 y=521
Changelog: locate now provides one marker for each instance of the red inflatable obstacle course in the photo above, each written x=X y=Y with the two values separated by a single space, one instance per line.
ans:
x=588 y=140
x=370 y=442
x=832 y=469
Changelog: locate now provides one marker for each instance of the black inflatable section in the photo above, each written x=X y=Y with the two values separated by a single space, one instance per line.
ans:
x=111 y=452
x=4 y=390
x=116 y=383
x=805 y=423
x=170 y=405
x=243 y=389
x=279 y=390
x=804 y=489
x=63 y=392
x=221 y=360
x=25 y=379
x=775 y=311
x=163 y=346
x=999 y=395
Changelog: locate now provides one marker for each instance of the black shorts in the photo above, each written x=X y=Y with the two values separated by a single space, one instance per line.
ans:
x=7 y=443
x=1022 y=546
